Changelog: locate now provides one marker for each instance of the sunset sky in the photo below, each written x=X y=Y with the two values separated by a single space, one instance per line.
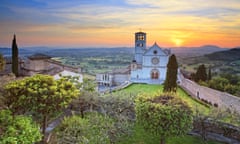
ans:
x=112 y=23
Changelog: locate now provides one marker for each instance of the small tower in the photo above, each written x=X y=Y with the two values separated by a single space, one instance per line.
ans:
x=140 y=46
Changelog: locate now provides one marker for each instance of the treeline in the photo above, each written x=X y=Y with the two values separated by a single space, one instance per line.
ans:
x=223 y=82
x=226 y=83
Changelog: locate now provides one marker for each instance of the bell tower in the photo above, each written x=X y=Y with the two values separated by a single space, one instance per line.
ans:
x=140 y=46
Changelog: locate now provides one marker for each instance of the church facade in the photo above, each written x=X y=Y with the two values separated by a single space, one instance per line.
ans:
x=149 y=65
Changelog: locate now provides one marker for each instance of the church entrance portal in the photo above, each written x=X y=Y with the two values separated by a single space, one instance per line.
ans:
x=154 y=74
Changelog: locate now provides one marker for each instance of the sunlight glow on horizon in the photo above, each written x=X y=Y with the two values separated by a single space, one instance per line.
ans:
x=112 y=23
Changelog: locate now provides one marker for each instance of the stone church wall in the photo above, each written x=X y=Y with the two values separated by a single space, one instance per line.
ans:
x=214 y=97
x=118 y=79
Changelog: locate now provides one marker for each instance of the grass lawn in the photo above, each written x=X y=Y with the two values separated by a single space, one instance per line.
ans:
x=141 y=137
x=154 y=89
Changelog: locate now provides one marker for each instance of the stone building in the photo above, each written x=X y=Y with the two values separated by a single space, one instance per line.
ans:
x=149 y=65
x=113 y=78
x=43 y=64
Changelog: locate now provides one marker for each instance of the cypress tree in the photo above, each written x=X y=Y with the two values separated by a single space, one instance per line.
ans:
x=170 y=83
x=14 y=56
x=201 y=73
x=209 y=74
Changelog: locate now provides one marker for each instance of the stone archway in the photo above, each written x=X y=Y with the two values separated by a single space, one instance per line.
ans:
x=154 y=74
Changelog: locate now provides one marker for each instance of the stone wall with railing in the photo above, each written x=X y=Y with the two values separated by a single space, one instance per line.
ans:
x=211 y=96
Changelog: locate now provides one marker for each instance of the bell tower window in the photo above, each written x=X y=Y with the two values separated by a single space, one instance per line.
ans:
x=140 y=37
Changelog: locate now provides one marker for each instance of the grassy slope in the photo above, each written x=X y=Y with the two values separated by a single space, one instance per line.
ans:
x=153 y=89
x=141 y=137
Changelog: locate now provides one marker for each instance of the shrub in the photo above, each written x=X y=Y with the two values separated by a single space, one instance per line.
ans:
x=163 y=115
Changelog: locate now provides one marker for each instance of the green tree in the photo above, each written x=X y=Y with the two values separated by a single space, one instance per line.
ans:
x=164 y=115
x=233 y=79
x=170 y=83
x=94 y=128
x=14 y=56
x=218 y=83
x=20 y=129
x=88 y=96
x=209 y=74
x=2 y=62
x=3 y=81
x=42 y=95
x=13 y=93
x=201 y=73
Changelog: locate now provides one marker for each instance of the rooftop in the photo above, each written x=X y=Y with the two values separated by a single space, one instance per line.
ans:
x=38 y=56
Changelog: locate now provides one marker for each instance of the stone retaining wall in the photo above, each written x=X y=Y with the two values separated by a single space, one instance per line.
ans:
x=211 y=96
x=219 y=131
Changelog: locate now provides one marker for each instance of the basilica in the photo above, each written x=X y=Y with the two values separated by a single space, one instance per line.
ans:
x=149 y=65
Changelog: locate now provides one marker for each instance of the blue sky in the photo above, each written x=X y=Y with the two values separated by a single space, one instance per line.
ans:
x=97 y=23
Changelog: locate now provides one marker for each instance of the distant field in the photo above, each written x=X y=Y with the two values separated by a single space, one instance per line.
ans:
x=98 y=64
x=93 y=61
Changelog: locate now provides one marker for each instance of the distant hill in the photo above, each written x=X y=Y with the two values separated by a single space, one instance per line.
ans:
x=61 y=52
x=196 y=51
x=227 y=61
x=95 y=60
x=8 y=52
x=229 y=55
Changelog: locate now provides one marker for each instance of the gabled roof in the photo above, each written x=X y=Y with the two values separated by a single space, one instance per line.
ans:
x=38 y=56
x=156 y=50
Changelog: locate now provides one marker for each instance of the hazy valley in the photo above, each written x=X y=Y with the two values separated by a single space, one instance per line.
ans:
x=95 y=60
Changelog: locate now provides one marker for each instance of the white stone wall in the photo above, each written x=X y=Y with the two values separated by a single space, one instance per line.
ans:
x=120 y=78
x=37 y=65
x=222 y=99
x=147 y=61
x=98 y=77
x=69 y=73
x=104 y=78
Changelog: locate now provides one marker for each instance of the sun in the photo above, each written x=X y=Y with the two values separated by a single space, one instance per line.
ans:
x=178 y=42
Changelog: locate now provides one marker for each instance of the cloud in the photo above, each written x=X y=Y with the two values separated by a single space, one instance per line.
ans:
x=113 y=19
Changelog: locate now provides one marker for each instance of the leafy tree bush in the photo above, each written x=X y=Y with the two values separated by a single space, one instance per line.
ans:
x=223 y=84
x=42 y=95
x=3 y=81
x=2 y=62
x=170 y=83
x=88 y=98
x=164 y=115
x=13 y=93
x=201 y=73
x=233 y=79
x=18 y=129
x=92 y=129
